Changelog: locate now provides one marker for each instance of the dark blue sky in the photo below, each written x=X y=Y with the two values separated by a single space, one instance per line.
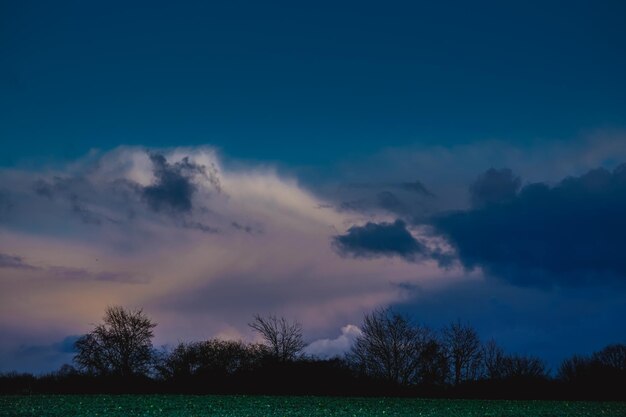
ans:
x=304 y=83
x=453 y=159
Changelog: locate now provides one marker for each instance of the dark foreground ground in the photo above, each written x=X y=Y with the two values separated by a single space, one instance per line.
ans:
x=260 y=406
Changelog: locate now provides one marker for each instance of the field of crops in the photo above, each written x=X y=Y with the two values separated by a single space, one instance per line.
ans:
x=257 y=406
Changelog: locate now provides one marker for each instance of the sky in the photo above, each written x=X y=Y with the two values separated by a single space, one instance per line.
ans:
x=208 y=162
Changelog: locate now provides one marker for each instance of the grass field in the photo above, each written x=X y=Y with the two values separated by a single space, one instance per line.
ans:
x=258 y=406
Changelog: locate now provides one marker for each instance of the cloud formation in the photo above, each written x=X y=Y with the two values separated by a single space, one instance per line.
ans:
x=174 y=184
x=213 y=244
x=67 y=273
x=569 y=234
x=39 y=357
x=396 y=198
x=447 y=171
x=379 y=239
x=328 y=348
x=494 y=186
x=209 y=245
x=9 y=261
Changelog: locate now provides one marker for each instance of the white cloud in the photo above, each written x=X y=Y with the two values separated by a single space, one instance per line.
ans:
x=328 y=348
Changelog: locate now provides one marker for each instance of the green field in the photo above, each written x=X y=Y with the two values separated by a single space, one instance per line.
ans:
x=257 y=406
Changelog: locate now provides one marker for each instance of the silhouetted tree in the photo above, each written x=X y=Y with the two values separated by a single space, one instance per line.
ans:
x=433 y=363
x=612 y=357
x=520 y=366
x=211 y=358
x=284 y=338
x=66 y=370
x=499 y=365
x=574 y=369
x=494 y=360
x=121 y=345
x=608 y=364
x=392 y=348
x=464 y=352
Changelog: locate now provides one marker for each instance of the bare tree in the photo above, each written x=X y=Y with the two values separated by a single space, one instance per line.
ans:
x=464 y=351
x=574 y=369
x=121 y=345
x=284 y=338
x=612 y=357
x=518 y=366
x=499 y=365
x=392 y=348
x=210 y=358
x=601 y=369
x=494 y=360
x=433 y=368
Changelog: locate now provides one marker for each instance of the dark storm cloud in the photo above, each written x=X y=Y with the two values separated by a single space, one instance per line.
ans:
x=571 y=234
x=379 y=239
x=9 y=261
x=174 y=187
x=494 y=186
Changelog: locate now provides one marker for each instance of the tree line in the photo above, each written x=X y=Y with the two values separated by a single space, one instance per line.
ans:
x=393 y=355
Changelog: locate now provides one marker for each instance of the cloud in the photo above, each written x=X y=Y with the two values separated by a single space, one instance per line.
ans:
x=38 y=358
x=174 y=186
x=399 y=198
x=445 y=172
x=215 y=244
x=379 y=239
x=246 y=240
x=9 y=261
x=416 y=187
x=448 y=170
x=67 y=273
x=245 y=228
x=569 y=234
x=63 y=346
x=329 y=348
x=200 y=226
x=494 y=186
x=5 y=203
x=73 y=190
x=390 y=202
x=386 y=239
x=82 y=274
